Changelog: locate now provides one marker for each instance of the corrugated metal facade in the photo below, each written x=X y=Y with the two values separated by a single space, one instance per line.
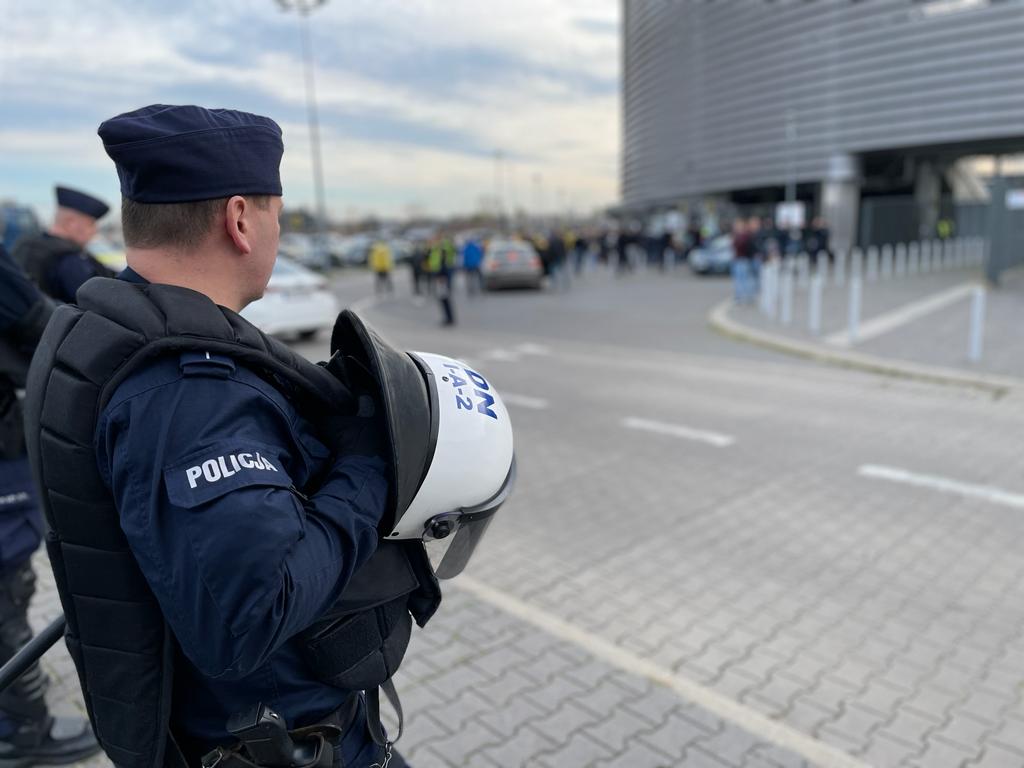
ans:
x=738 y=94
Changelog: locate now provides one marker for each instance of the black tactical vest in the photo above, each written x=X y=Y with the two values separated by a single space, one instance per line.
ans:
x=116 y=634
x=38 y=253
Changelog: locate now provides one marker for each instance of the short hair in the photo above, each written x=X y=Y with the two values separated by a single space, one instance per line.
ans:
x=174 y=225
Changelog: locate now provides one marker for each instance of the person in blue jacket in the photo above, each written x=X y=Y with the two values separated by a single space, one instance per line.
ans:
x=57 y=260
x=28 y=733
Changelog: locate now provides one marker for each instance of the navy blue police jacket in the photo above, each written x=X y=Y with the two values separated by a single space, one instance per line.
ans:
x=206 y=462
x=70 y=271
x=20 y=521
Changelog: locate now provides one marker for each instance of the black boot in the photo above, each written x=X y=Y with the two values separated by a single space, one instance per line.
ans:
x=53 y=741
x=35 y=737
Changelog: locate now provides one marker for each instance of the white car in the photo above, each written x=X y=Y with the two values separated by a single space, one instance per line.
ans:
x=297 y=302
x=713 y=258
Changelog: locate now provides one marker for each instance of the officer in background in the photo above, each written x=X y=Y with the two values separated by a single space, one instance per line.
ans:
x=56 y=260
x=28 y=733
x=246 y=516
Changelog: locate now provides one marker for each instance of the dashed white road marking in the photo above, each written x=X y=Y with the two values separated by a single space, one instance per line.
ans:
x=934 y=482
x=501 y=356
x=890 y=321
x=529 y=348
x=750 y=720
x=524 y=401
x=678 y=430
x=517 y=352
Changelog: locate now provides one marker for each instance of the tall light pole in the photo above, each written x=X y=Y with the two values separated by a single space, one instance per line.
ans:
x=499 y=183
x=304 y=8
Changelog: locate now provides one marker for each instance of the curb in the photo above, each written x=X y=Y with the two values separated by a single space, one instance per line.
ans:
x=997 y=386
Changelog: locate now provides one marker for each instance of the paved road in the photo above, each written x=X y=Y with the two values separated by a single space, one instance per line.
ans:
x=712 y=557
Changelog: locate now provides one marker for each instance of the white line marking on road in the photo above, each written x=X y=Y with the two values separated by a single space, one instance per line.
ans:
x=890 y=321
x=524 y=401
x=984 y=492
x=750 y=720
x=678 y=430
x=529 y=348
x=501 y=356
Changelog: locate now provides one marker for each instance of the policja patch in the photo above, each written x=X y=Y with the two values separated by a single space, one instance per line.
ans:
x=220 y=468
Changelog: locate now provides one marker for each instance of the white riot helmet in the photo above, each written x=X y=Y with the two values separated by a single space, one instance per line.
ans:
x=452 y=457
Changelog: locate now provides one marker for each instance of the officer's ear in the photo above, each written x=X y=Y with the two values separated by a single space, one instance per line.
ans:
x=238 y=223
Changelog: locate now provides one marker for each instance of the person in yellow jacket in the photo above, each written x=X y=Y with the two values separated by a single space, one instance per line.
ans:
x=441 y=265
x=381 y=262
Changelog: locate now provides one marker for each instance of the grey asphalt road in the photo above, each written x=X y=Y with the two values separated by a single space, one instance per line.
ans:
x=715 y=556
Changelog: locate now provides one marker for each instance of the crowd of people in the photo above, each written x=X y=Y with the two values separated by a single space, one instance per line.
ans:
x=756 y=240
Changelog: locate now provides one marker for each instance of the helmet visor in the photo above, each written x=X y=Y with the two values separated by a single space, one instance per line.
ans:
x=472 y=525
x=464 y=544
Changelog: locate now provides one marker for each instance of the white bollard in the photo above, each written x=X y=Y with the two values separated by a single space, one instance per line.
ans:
x=960 y=252
x=840 y=269
x=913 y=258
x=872 y=266
x=886 y=262
x=772 y=274
x=764 y=287
x=926 y=256
x=947 y=254
x=803 y=271
x=900 y=266
x=853 y=315
x=821 y=265
x=814 y=304
x=974 y=346
x=786 y=294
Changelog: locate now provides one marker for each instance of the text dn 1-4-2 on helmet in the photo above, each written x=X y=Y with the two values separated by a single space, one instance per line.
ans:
x=449 y=438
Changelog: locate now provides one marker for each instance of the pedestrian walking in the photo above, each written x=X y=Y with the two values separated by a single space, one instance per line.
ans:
x=381 y=264
x=441 y=267
x=557 y=257
x=472 y=259
x=744 y=288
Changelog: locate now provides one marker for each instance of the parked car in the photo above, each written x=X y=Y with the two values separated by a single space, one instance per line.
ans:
x=714 y=257
x=352 y=251
x=297 y=302
x=309 y=251
x=511 y=264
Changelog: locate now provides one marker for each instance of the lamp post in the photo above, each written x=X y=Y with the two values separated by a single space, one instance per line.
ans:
x=304 y=8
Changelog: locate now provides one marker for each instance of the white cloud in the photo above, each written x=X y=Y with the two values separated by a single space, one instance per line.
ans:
x=82 y=55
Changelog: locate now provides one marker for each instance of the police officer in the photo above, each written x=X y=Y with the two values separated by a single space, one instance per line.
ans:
x=28 y=733
x=212 y=514
x=57 y=261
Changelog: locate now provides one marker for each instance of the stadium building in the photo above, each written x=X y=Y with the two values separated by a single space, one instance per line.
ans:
x=873 y=112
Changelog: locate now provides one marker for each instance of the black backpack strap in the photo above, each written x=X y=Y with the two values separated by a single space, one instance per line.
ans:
x=373 y=713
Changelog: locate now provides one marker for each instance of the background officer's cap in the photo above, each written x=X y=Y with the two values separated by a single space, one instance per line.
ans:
x=81 y=202
x=176 y=154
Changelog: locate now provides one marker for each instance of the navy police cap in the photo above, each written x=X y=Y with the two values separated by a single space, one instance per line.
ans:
x=81 y=202
x=177 y=154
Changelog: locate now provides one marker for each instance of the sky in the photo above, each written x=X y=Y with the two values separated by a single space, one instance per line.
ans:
x=426 y=106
